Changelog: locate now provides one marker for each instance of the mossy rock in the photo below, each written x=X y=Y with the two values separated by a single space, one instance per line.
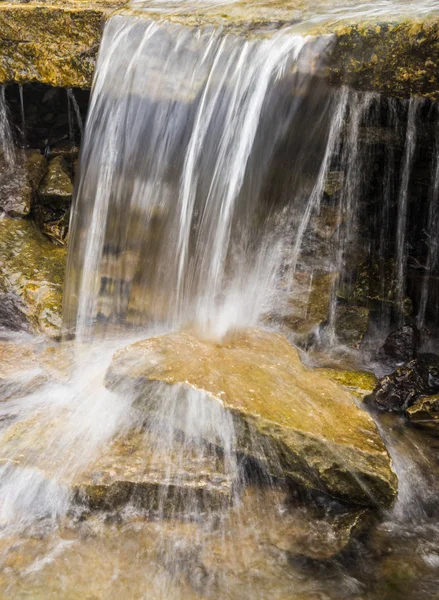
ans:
x=33 y=273
x=299 y=424
x=359 y=383
x=398 y=59
x=20 y=181
x=52 y=44
x=56 y=188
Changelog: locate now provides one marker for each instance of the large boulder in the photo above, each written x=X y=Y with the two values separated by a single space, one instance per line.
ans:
x=31 y=278
x=296 y=422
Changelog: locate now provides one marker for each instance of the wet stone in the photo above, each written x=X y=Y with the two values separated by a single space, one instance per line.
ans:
x=295 y=422
x=424 y=413
x=138 y=469
x=56 y=187
x=401 y=344
x=399 y=390
x=31 y=277
x=19 y=185
x=303 y=532
x=351 y=323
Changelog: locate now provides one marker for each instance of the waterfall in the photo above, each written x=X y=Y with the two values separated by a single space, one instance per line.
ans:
x=171 y=221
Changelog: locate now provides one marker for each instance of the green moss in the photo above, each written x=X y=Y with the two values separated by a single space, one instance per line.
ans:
x=359 y=383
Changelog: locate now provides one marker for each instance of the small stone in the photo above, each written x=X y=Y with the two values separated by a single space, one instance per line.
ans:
x=56 y=187
x=19 y=370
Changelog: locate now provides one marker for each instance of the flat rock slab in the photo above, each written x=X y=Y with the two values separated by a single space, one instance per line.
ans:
x=137 y=470
x=302 y=425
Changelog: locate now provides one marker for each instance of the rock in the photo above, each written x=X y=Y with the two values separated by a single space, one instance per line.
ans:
x=399 y=390
x=56 y=187
x=139 y=469
x=359 y=383
x=424 y=413
x=351 y=323
x=53 y=222
x=297 y=423
x=397 y=59
x=19 y=370
x=31 y=276
x=308 y=306
x=18 y=189
x=55 y=45
x=401 y=344
x=302 y=532
x=66 y=150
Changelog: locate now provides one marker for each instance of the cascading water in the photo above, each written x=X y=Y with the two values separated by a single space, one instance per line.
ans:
x=178 y=174
x=203 y=181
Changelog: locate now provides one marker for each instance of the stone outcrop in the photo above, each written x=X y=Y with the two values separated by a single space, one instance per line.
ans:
x=398 y=59
x=295 y=421
x=31 y=279
x=53 y=43
x=57 y=43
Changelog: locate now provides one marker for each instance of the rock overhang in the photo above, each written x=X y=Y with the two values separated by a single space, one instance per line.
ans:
x=57 y=43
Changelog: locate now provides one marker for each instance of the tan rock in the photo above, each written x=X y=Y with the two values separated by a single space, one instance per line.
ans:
x=31 y=277
x=425 y=413
x=297 y=422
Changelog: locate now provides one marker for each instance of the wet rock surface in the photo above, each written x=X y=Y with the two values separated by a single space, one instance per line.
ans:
x=56 y=187
x=316 y=434
x=19 y=183
x=137 y=469
x=31 y=277
x=55 y=44
x=401 y=344
x=399 y=390
x=424 y=413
